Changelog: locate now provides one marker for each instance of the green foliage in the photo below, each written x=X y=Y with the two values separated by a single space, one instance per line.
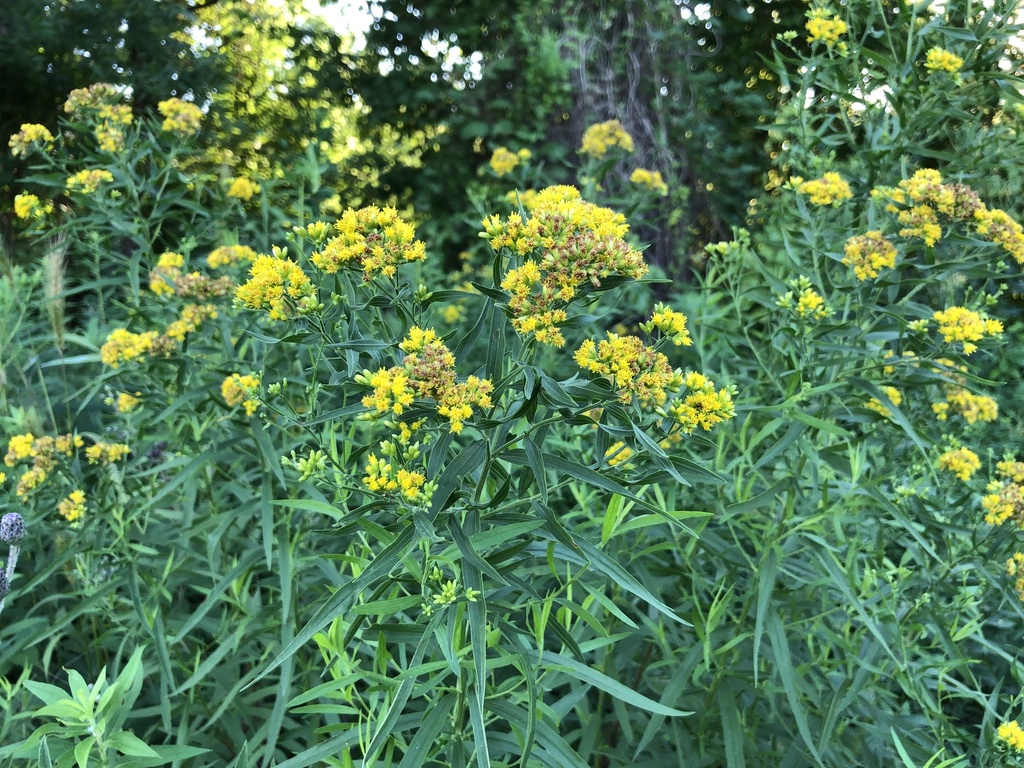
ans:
x=316 y=505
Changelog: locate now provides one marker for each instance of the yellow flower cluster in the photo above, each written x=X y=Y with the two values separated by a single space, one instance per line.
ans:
x=503 y=161
x=830 y=189
x=1000 y=228
x=168 y=269
x=109 y=130
x=106 y=453
x=1011 y=734
x=574 y=242
x=650 y=179
x=123 y=346
x=88 y=181
x=967 y=326
x=972 y=407
x=196 y=285
x=392 y=391
x=672 y=325
x=31 y=136
x=72 y=508
x=962 y=462
x=28 y=206
x=230 y=256
x=427 y=372
x=941 y=60
x=920 y=221
x=276 y=284
x=1005 y=498
x=237 y=389
x=192 y=316
x=868 y=254
x=180 y=117
x=83 y=101
x=45 y=453
x=371 y=239
x=895 y=397
x=921 y=199
x=600 y=138
x=825 y=27
x=632 y=368
x=382 y=477
x=127 y=402
x=618 y=454
x=699 y=405
x=805 y=302
x=242 y=188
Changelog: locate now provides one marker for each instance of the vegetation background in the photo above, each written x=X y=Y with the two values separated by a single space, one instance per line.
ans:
x=795 y=539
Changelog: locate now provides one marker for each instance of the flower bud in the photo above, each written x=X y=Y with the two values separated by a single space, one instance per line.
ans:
x=3 y=584
x=12 y=528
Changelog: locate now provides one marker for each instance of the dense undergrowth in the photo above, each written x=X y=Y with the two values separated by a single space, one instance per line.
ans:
x=292 y=495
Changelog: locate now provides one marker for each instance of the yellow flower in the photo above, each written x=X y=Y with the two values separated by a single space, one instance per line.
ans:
x=964 y=325
x=920 y=221
x=122 y=346
x=1011 y=734
x=700 y=405
x=83 y=101
x=72 y=508
x=29 y=481
x=618 y=453
x=242 y=188
x=19 y=447
x=672 y=324
x=230 y=255
x=1003 y=501
x=31 y=136
x=830 y=189
x=574 y=244
x=599 y=138
x=503 y=161
x=895 y=397
x=391 y=391
x=181 y=117
x=941 y=60
x=650 y=179
x=126 y=403
x=962 y=462
x=428 y=372
x=88 y=181
x=378 y=475
x=825 y=27
x=973 y=408
x=999 y=227
x=868 y=254
x=168 y=269
x=28 y=206
x=238 y=389
x=106 y=453
x=634 y=370
x=375 y=240
x=275 y=284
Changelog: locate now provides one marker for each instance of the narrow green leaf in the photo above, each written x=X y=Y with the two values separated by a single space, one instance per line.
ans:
x=341 y=600
x=601 y=681
x=536 y=462
x=784 y=664
x=732 y=731
x=427 y=732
